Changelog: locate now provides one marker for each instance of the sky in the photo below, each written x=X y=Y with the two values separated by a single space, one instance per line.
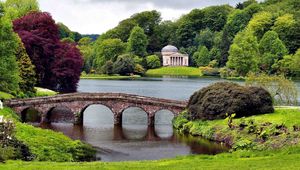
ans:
x=98 y=16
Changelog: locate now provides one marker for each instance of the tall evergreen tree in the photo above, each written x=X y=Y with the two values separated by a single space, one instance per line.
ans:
x=27 y=71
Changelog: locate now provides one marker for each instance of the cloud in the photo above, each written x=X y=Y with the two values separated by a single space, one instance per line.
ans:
x=98 y=16
x=173 y=4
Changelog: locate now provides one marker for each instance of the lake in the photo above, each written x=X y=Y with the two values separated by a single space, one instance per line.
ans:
x=134 y=140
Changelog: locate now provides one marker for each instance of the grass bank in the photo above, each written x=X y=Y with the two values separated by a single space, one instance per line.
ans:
x=5 y=96
x=108 y=77
x=260 y=132
x=47 y=145
x=175 y=71
x=41 y=92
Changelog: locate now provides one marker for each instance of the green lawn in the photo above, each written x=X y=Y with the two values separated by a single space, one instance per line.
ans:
x=222 y=161
x=5 y=96
x=175 y=71
x=108 y=77
x=41 y=92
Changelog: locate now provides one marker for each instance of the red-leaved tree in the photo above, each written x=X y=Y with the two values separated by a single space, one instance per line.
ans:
x=58 y=65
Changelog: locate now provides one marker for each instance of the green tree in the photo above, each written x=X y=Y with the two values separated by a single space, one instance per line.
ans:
x=9 y=73
x=271 y=49
x=236 y=22
x=124 y=65
x=137 y=42
x=153 y=61
x=86 y=49
x=290 y=64
x=215 y=17
x=17 y=8
x=108 y=67
x=215 y=54
x=27 y=71
x=108 y=49
x=288 y=30
x=67 y=40
x=206 y=38
x=243 y=53
x=261 y=23
x=202 y=57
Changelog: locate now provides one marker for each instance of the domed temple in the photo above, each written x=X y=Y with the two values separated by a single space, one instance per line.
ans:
x=172 y=57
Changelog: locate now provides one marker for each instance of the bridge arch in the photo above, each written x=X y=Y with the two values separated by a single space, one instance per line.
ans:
x=140 y=116
x=59 y=113
x=164 y=116
x=31 y=114
x=82 y=113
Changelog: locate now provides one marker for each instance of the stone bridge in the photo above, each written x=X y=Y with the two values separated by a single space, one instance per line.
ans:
x=78 y=102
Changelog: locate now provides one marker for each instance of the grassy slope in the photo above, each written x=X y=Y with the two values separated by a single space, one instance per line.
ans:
x=268 y=131
x=5 y=96
x=46 y=145
x=175 y=71
x=107 y=77
x=40 y=92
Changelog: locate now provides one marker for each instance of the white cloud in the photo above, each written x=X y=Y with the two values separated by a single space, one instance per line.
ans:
x=98 y=16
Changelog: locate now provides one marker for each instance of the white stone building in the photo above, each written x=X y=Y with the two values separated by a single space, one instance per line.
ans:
x=172 y=57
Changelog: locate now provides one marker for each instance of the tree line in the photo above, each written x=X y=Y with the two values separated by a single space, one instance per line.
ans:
x=250 y=37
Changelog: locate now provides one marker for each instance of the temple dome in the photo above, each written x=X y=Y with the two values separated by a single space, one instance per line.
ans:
x=170 y=48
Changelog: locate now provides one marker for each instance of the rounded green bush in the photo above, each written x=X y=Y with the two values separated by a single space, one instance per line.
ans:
x=219 y=99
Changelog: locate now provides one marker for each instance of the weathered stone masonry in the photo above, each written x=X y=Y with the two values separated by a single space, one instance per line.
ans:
x=78 y=102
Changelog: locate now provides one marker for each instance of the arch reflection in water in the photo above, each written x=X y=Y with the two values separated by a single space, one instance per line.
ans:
x=98 y=123
x=134 y=123
x=163 y=124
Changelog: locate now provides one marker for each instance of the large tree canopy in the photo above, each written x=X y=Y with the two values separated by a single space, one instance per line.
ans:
x=18 y=8
x=137 y=42
x=40 y=36
x=9 y=74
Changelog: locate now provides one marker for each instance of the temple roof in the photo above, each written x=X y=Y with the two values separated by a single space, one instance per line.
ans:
x=170 y=48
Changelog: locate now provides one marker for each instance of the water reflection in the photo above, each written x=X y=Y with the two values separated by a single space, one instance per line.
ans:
x=134 y=139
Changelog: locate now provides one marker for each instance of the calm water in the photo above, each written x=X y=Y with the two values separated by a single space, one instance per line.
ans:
x=135 y=140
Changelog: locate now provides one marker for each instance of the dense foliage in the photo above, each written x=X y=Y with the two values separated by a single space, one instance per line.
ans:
x=253 y=37
x=9 y=73
x=220 y=99
x=27 y=71
x=58 y=65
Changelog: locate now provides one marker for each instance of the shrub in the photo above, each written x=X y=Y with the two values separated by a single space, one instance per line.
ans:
x=153 y=62
x=219 y=99
x=209 y=71
x=139 y=69
x=124 y=65
x=108 y=67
